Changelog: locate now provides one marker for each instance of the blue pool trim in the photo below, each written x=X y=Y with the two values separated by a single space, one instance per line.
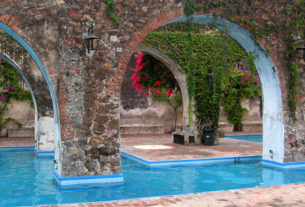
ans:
x=21 y=147
x=283 y=165
x=167 y=163
x=243 y=135
x=87 y=180
x=44 y=153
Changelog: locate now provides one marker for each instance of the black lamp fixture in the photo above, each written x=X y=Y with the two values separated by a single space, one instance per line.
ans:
x=91 y=40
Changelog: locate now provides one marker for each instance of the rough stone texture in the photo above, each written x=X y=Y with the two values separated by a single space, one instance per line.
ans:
x=295 y=143
x=10 y=49
x=89 y=89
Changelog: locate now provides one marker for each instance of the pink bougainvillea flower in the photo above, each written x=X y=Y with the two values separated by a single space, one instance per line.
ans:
x=140 y=59
x=169 y=93
x=136 y=78
x=146 y=94
x=157 y=83
x=2 y=97
x=1 y=59
x=136 y=56
x=133 y=77
x=134 y=70
x=257 y=79
x=134 y=84
x=246 y=78
x=158 y=93
x=10 y=88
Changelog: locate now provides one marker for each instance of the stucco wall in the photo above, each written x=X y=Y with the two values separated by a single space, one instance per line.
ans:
x=23 y=112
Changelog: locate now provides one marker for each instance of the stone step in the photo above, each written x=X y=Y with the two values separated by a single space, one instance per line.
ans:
x=247 y=126
x=22 y=132
x=142 y=129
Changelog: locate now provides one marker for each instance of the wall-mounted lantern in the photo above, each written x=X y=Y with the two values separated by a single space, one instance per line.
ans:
x=91 y=41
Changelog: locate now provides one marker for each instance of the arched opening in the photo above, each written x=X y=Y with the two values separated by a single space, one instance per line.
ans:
x=47 y=121
x=273 y=126
x=157 y=117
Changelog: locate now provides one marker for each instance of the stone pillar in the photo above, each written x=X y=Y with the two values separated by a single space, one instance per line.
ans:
x=45 y=134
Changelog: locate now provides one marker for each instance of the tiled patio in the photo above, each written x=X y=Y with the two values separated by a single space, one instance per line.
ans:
x=161 y=147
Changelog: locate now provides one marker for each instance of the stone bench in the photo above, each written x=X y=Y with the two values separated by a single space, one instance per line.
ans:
x=141 y=129
x=186 y=138
x=247 y=126
x=22 y=132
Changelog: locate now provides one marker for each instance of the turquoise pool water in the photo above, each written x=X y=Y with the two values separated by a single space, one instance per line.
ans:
x=26 y=180
x=251 y=138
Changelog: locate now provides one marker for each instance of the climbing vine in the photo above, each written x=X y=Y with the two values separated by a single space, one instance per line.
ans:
x=213 y=70
x=111 y=10
x=10 y=89
x=288 y=22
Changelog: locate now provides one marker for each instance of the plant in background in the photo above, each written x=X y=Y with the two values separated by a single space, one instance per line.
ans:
x=111 y=10
x=240 y=85
x=10 y=89
x=152 y=78
x=214 y=57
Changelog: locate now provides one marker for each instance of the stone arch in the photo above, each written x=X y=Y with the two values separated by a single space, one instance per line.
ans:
x=40 y=83
x=273 y=120
x=178 y=73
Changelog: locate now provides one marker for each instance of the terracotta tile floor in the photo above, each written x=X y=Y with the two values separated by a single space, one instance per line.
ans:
x=279 y=196
x=134 y=144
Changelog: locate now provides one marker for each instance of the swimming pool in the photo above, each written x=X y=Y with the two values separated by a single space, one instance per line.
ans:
x=27 y=180
x=251 y=138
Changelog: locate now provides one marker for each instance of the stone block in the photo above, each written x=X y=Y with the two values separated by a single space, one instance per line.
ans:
x=22 y=132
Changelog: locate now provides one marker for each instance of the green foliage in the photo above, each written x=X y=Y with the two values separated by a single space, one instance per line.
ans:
x=266 y=25
x=189 y=8
x=111 y=10
x=240 y=85
x=213 y=57
x=10 y=90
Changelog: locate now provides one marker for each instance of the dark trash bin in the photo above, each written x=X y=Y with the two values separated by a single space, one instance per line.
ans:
x=208 y=136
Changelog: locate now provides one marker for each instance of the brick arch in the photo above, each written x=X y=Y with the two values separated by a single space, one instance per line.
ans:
x=41 y=84
x=273 y=121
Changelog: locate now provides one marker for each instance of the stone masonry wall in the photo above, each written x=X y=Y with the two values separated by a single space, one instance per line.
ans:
x=88 y=90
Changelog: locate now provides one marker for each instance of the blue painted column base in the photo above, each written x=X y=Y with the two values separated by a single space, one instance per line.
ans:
x=283 y=165
x=88 y=181
x=44 y=153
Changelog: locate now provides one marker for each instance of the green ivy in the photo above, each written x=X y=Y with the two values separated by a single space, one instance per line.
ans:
x=213 y=57
x=111 y=10
x=10 y=89
x=245 y=13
